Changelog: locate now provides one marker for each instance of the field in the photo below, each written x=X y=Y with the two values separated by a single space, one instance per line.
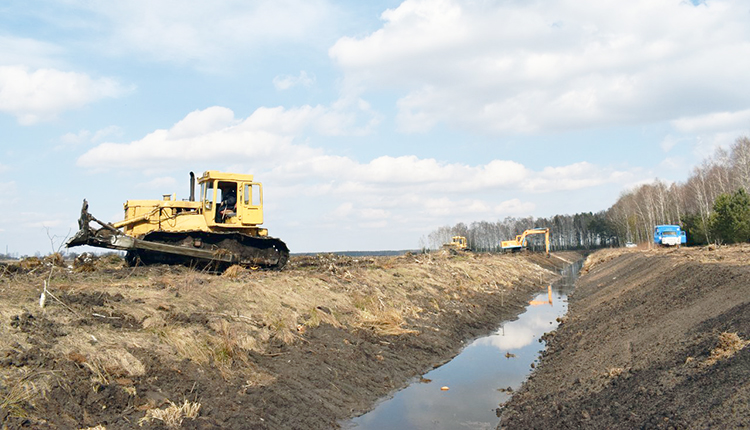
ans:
x=96 y=344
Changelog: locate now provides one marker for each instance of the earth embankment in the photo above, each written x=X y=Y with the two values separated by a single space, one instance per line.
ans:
x=304 y=348
x=652 y=339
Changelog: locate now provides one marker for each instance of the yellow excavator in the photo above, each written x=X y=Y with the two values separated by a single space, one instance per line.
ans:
x=520 y=241
x=219 y=229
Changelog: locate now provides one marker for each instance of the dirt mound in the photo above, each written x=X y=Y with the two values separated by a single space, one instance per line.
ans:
x=306 y=347
x=653 y=339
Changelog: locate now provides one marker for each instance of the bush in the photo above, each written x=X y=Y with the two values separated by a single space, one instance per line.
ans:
x=730 y=221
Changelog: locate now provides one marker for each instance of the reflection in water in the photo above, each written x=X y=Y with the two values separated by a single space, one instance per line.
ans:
x=476 y=375
x=542 y=302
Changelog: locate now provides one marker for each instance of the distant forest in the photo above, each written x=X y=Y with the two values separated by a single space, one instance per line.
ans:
x=712 y=206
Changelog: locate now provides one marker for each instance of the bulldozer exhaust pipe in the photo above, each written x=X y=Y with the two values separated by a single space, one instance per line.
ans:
x=192 y=186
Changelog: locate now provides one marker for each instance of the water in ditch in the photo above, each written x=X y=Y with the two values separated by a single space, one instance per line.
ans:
x=477 y=379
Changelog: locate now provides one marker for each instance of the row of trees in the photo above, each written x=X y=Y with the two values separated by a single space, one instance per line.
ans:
x=711 y=206
x=583 y=230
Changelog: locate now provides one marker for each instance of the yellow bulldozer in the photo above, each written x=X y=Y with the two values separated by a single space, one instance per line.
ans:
x=457 y=243
x=521 y=240
x=219 y=229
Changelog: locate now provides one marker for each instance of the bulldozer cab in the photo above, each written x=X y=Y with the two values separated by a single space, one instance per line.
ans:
x=235 y=201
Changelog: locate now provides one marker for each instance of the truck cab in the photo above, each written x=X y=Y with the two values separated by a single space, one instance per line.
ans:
x=669 y=235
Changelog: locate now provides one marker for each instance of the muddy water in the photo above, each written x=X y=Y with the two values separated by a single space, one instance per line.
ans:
x=478 y=378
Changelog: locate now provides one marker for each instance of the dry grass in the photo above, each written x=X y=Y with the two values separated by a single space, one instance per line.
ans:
x=602 y=256
x=173 y=415
x=106 y=362
x=388 y=322
x=234 y=272
x=216 y=320
x=729 y=344
x=186 y=343
x=99 y=375
x=107 y=314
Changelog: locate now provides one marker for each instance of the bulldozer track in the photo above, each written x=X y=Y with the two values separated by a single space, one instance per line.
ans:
x=248 y=251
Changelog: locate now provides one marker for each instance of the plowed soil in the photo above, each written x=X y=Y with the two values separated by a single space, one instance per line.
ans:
x=652 y=339
x=114 y=347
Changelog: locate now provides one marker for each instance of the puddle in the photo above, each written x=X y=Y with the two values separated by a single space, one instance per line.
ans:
x=477 y=376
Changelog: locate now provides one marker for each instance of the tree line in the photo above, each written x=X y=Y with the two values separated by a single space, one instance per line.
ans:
x=712 y=206
x=580 y=231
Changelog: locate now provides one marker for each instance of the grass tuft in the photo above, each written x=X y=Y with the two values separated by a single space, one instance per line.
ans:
x=388 y=322
x=234 y=272
x=729 y=344
x=20 y=395
x=173 y=415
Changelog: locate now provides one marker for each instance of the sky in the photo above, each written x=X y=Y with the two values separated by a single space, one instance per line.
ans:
x=370 y=124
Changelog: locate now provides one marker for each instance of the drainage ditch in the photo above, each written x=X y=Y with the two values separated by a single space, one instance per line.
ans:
x=466 y=391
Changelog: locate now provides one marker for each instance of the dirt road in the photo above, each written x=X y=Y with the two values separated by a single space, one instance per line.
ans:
x=116 y=347
x=653 y=339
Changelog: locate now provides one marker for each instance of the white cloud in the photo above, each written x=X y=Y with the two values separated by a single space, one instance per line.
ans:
x=40 y=95
x=201 y=122
x=208 y=35
x=705 y=145
x=669 y=142
x=515 y=207
x=111 y=130
x=712 y=122
x=286 y=82
x=213 y=134
x=7 y=189
x=522 y=67
x=673 y=163
x=208 y=136
x=574 y=177
x=75 y=139
x=343 y=210
x=160 y=183
x=268 y=138
x=519 y=333
x=273 y=144
x=30 y=52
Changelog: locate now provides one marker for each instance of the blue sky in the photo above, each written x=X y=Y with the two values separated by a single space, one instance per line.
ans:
x=369 y=123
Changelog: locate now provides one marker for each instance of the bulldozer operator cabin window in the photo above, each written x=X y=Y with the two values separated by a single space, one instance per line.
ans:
x=251 y=196
x=207 y=189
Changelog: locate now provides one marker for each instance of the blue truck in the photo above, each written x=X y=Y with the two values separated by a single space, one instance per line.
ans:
x=669 y=235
